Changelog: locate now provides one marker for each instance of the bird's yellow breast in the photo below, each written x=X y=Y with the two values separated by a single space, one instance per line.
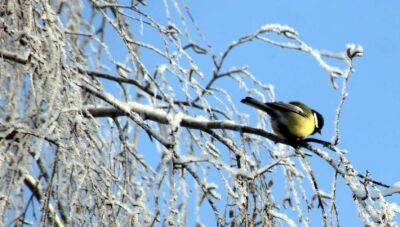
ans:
x=296 y=125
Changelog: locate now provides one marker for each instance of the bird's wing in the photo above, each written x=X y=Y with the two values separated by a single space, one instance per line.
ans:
x=281 y=106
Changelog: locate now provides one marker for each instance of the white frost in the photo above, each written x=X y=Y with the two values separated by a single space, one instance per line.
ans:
x=278 y=28
x=146 y=109
x=395 y=188
x=161 y=69
x=212 y=189
x=175 y=120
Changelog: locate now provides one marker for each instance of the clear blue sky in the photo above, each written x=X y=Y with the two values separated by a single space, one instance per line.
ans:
x=370 y=125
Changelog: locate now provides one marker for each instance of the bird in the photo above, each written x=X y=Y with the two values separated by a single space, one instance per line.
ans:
x=293 y=120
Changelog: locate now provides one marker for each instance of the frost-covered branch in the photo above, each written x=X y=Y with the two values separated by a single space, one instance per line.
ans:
x=160 y=116
x=14 y=57
x=37 y=191
x=126 y=110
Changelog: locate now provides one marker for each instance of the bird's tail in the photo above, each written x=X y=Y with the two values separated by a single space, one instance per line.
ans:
x=257 y=104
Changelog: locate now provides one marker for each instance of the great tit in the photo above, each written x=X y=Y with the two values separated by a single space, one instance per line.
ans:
x=293 y=120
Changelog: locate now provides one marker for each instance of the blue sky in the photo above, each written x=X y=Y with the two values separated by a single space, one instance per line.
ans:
x=369 y=125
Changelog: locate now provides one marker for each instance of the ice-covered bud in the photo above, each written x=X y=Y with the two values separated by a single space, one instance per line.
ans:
x=201 y=74
x=122 y=71
x=172 y=29
x=161 y=69
x=195 y=69
x=353 y=50
x=212 y=190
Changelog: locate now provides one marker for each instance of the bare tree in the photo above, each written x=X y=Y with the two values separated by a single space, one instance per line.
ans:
x=110 y=117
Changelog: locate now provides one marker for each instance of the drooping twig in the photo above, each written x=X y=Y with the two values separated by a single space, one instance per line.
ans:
x=37 y=191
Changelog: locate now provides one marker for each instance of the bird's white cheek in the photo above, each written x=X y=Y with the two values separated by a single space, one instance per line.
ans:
x=316 y=120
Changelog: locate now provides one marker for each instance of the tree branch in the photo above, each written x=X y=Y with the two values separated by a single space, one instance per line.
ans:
x=129 y=112
x=14 y=57
x=150 y=113
x=35 y=188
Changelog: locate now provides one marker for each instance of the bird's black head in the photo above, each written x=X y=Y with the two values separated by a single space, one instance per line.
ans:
x=319 y=122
